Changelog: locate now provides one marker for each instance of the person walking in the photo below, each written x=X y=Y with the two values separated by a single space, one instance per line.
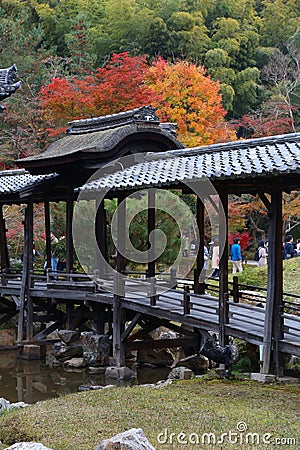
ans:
x=288 y=249
x=262 y=254
x=215 y=259
x=298 y=247
x=236 y=256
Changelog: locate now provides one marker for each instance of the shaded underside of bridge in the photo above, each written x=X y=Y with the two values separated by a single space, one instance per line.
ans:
x=266 y=167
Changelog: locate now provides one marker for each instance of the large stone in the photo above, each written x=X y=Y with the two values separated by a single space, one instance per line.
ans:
x=31 y=352
x=119 y=373
x=133 y=439
x=5 y=405
x=96 y=349
x=68 y=336
x=74 y=363
x=180 y=373
x=197 y=363
x=28 y=446
x=156 y=357
x=63 y=352
x=263 y=377
x=7 y=337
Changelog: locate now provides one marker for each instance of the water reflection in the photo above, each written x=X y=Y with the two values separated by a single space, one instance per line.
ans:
x=32 y=381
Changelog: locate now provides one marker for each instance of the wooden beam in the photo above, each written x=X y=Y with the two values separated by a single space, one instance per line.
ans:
x=199 y=284
x=121 y=225
x=101 y=236
x=265 y=200
x=29 y=231
x=163 y=343
x=24 y=279
x=69 y=235
x=273 y=321
x=223 y=267
x=118 y=345
x=151 y=228
x=134 y=322
x=4 y=255
x=47 y=234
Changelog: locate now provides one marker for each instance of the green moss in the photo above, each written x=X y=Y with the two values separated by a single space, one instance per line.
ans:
x=199 y=406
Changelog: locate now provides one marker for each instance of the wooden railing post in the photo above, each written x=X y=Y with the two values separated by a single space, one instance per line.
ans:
x=96 y=275
x=173 y=277
x=118 y=346
x=153 y=291
x=186 y=300
x=3 y=277
x=235 y=289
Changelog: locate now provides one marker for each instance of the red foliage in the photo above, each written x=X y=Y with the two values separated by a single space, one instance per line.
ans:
x=273 y=120
x=243 y=237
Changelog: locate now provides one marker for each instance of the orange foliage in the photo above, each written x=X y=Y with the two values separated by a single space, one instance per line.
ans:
x=181 y=92
x=187 y=96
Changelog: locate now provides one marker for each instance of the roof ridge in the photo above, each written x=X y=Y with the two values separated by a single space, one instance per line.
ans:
x=141 y=114
x=221 y=146
x=5 y=173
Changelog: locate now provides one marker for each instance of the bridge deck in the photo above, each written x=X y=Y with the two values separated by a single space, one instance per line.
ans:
x=244 y=320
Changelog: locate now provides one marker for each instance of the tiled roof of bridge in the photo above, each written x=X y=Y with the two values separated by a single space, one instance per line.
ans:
x=101 y=135
x=270 y=156
x=14 y=181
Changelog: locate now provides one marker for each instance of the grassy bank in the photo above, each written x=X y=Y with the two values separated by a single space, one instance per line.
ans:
x=257 y=276
x=80 y=421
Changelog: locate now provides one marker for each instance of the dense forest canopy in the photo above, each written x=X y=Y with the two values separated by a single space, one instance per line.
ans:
x=250 y=48
x=221 y=69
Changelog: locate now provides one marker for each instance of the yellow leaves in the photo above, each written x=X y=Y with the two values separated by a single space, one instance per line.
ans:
x=191 y=99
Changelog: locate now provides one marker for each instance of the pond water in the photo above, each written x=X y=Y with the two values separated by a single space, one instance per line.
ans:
x=32 y=381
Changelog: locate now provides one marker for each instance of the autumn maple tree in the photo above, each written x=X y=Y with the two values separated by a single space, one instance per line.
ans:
x=187 y=96
x=181 y=92
x=116 y=87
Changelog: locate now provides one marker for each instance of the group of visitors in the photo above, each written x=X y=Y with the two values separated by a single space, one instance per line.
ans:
x=290 y=249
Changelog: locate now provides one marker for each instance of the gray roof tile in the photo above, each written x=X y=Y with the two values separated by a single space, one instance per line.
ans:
x=275 y=155
x=14 y=181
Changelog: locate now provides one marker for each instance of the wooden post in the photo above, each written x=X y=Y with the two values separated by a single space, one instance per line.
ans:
x=24 y=279
x=151 y=227
x=47 y=233
x=5 y=263
x=118 y=325
x=235 y=289
x=223 y=267
x=199 y=284
x=119 y=287
x=69 y=237
x=101 y=235
x=121 y=224
x=186 y=300
x=273 y=321
x=29 y=231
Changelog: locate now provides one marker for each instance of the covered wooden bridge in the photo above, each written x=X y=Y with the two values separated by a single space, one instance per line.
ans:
x=127 y=305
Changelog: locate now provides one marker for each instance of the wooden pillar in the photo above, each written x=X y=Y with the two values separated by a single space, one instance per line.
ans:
x=69 y=314
x=121 y=224
x=273 y=329
x=5 y=263
x=24 y=280
x=47 y=234
x=118 y=326
x=223 y=266
x=199 y=284
x=69 y=236
x=101 y=236
x=151 y=227
x=29 y=231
